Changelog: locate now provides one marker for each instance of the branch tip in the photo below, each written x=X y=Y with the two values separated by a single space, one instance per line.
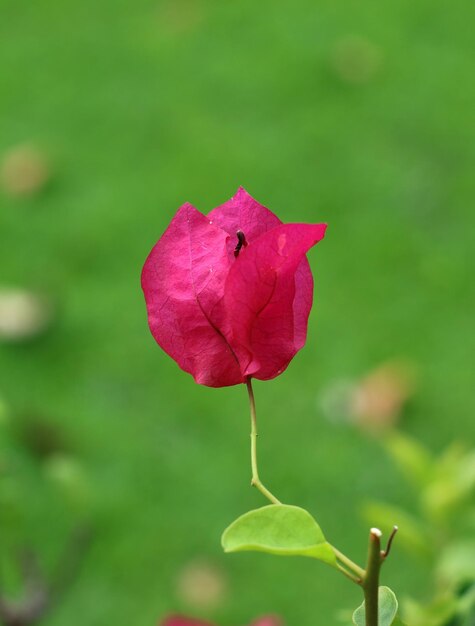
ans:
x=385 y=553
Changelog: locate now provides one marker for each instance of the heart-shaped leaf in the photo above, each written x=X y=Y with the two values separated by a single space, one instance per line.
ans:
x=387 y=609
x=278 y=529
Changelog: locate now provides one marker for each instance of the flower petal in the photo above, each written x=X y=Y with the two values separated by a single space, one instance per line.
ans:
x=267 y=316
x=303 y=302
x=183 y=281
x=243 y=213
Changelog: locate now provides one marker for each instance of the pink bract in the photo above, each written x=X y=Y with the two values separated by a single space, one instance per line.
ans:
x=224 y=317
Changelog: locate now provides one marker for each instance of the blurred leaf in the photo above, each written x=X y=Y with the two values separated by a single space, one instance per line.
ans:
x=439 y=500
x=451 y=456
x=414 y=461
x=457 y=563
x=278 y=529
x=466 y=607
x=453 y=485
x=466 y=473
x=387 y=609
x=438 y=613
x=412 y=534
x=343 y=616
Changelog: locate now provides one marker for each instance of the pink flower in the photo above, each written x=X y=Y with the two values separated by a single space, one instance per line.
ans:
x=229 y=294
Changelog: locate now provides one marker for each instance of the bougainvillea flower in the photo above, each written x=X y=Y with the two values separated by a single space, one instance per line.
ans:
x=228 y=294
x=177 y=620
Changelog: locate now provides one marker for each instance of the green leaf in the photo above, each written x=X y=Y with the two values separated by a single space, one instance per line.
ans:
x=278 y=529
x=387 y=609
x=439 y=612
x=456 y=564
x=414 y=461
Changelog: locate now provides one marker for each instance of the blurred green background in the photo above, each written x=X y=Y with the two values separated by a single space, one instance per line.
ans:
x=113 y=114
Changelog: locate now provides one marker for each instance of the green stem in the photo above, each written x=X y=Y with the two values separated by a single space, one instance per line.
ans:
x=255 y=481
x=350 y=565
x=371 y=579
x=348 y=574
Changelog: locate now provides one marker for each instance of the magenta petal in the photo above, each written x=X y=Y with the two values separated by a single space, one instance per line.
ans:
x=303 y=302
x=183 y=281
x=267 y=313
x=243 y=213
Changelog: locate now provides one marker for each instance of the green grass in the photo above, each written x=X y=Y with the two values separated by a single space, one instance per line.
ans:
x=145 y=105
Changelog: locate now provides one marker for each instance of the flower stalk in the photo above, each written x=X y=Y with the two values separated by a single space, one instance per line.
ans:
x=255 y=480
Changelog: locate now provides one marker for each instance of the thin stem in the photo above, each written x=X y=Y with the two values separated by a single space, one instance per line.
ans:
x=255 y=481
x=348 y=574
x=371 y=580
x=349 y=564
x=386 y=552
